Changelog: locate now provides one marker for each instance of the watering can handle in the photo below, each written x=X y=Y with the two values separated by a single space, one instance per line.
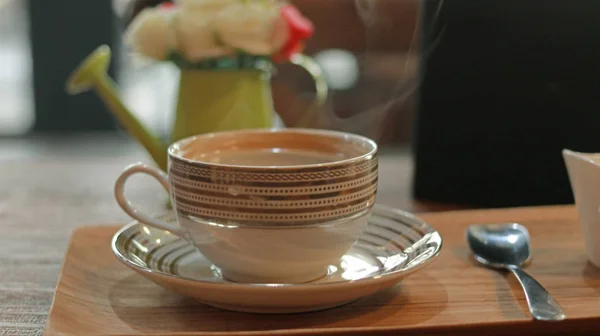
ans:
x=314 y=69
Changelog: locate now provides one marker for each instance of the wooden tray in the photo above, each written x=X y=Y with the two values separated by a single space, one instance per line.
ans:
x=97 y=295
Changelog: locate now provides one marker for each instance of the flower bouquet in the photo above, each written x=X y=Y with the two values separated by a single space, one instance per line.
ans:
x=219 y=33
x=226 y=50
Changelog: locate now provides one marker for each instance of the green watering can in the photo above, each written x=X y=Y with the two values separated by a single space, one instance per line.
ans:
x=209 y=100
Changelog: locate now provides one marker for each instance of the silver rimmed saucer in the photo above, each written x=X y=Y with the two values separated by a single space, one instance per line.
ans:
x=395 y=244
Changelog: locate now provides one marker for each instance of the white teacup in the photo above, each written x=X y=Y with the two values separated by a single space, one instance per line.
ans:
x=267 y=206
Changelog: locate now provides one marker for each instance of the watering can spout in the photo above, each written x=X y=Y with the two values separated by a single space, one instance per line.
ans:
x=92 y=74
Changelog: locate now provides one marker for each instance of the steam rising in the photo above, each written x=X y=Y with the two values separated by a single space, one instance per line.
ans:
x=370 y=121
x=367 y=11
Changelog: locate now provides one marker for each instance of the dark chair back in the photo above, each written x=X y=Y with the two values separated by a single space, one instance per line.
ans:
x=505 y=86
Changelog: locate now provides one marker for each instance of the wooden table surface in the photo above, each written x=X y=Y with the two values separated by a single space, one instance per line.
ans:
x=51 y=185
x=454 y=295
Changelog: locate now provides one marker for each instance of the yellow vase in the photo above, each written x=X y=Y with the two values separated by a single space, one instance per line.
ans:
x=221 y=100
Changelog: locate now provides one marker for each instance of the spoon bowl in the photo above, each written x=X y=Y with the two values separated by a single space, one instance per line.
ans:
x=507 y=246
x=498 y=245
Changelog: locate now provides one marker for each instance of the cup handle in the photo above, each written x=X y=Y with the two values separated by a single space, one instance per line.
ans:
x=126 y=205
x=314 y=69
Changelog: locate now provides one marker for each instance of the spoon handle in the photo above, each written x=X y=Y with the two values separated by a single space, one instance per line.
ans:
x=541 y=304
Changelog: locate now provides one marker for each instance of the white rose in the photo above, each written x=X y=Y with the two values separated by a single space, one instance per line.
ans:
x=205 y=6
x=151 y=33
x=281 y=33
x=255 y=28
x=196 y=36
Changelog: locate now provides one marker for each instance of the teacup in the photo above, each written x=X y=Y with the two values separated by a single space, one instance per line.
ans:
x=267 y=206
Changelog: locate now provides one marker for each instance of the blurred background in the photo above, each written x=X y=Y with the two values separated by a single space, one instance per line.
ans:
x=473 y=101
x=366 y=48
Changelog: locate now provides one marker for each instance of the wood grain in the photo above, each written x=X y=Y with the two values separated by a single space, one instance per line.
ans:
x=97 y=295
x=50 y=185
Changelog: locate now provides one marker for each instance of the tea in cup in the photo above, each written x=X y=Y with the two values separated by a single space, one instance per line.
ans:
x=267 y=206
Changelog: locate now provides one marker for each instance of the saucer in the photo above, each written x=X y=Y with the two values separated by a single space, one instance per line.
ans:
x=394 y=245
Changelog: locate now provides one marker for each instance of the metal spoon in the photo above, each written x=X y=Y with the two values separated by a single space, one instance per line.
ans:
x=506 y=246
